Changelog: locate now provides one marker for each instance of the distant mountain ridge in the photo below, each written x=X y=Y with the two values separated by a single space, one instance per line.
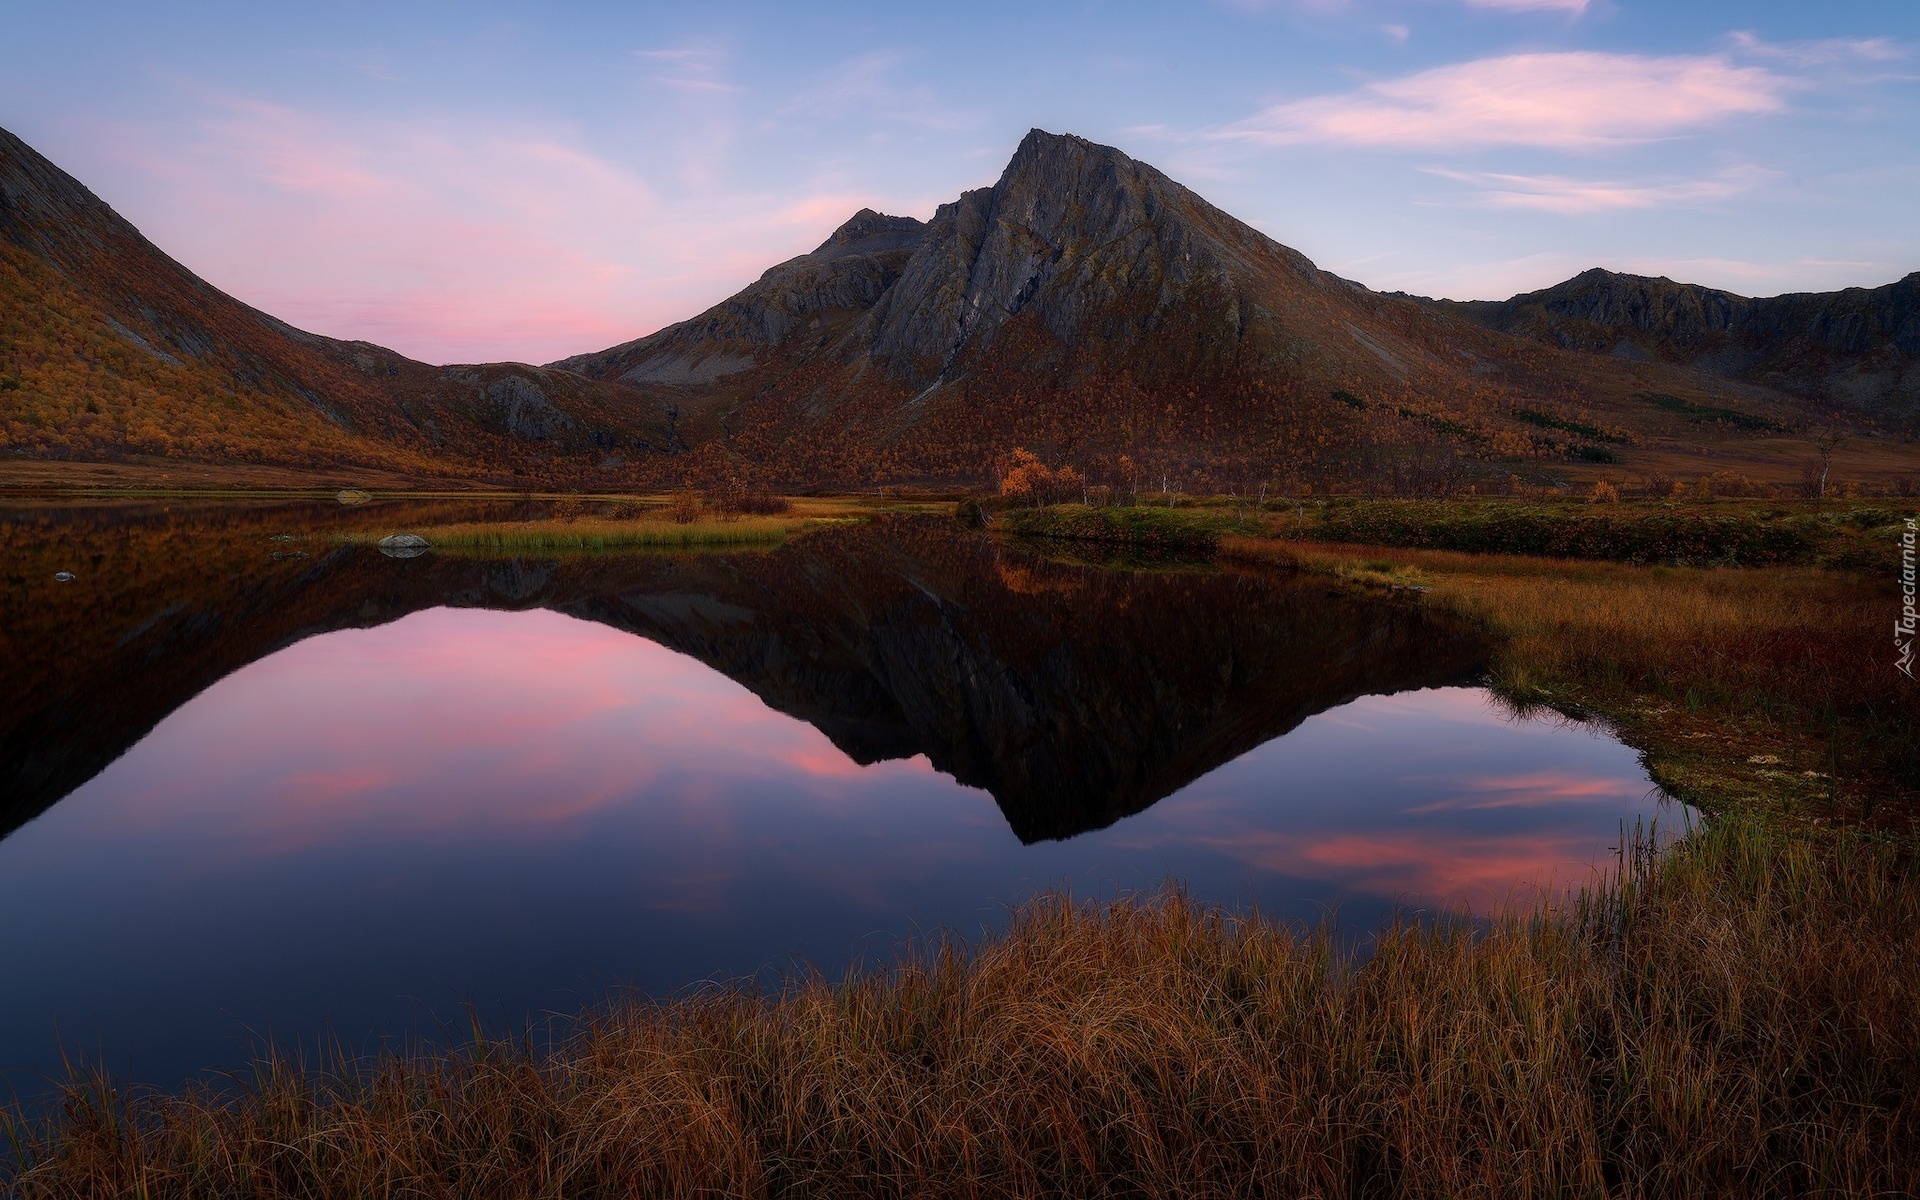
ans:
x=1859 y=346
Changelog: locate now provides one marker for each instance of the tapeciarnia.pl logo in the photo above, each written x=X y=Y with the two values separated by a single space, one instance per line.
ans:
x=1904 y=627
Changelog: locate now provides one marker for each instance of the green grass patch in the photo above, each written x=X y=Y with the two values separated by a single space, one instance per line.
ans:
x=1547 y=420
x=1701 y=413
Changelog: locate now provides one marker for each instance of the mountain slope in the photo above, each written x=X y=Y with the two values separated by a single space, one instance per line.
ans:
x=108 y=347
x=1858 y=347
x=1089 y=306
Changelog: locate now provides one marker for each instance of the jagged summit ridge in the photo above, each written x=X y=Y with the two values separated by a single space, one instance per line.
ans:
x=1069 y=227
x=870 y=232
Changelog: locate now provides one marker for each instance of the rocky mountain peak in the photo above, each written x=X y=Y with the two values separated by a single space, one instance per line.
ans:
x=1073 y=233
x=870 y=232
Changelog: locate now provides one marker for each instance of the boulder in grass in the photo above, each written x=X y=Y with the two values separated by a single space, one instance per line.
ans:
x=404 y=545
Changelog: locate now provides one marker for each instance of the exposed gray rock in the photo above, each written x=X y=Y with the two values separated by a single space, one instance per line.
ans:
x=523 y=407
x=404 y=545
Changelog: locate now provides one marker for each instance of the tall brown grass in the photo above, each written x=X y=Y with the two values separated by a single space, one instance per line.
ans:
x=1742 y=1019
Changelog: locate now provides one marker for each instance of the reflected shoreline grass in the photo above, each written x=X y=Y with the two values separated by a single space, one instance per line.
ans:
x=607 y=535
x=1740 y=1017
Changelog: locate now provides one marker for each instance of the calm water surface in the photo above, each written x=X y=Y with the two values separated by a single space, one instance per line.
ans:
x=258 y=794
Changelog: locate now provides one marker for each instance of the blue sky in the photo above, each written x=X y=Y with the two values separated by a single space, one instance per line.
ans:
x=488 y=180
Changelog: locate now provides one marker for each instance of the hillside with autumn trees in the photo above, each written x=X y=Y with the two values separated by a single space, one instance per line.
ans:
x=1085 y=309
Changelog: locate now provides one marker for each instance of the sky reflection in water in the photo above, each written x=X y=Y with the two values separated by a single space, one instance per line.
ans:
x=371 y=827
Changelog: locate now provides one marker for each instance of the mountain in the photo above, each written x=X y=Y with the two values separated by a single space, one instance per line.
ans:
x=1857 y=348
x=112 y=348
x=1087 y=306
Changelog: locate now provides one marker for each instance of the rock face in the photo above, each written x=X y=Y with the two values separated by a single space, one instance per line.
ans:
x=1858 y=347
x=1087 y=240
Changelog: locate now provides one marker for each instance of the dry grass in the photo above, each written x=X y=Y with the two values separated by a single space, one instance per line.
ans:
x=1781 y=663
x=653 y=530
x=1743 y=1020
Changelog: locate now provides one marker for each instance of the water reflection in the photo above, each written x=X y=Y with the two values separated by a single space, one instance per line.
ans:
x=407 y=783
x=1074 y=695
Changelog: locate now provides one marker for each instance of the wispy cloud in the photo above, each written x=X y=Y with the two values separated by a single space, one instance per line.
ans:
x=694 y=68
x=1560 y=194
x=1566 y=101
x=871 y=84
x=1819 y=53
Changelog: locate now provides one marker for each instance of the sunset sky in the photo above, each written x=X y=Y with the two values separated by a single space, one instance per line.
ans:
x=488 y=180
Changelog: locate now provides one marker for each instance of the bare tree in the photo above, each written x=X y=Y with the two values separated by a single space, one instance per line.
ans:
x=1826 y=439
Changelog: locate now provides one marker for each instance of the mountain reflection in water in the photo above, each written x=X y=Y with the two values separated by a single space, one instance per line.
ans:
x=1074 y=695
x=442 y=801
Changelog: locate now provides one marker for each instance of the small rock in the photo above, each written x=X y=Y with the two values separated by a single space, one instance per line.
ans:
x=404 y=545
x=63 y=576
x=281 y=537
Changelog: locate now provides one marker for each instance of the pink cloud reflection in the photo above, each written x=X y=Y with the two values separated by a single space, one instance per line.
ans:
x=461 y=724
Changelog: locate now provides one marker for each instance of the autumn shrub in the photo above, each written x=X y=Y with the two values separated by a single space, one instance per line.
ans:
x=685 y=506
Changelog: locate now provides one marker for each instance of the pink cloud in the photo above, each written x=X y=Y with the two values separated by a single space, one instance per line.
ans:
x=1567 y=100
x=456 y=239
x=1559 y=194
